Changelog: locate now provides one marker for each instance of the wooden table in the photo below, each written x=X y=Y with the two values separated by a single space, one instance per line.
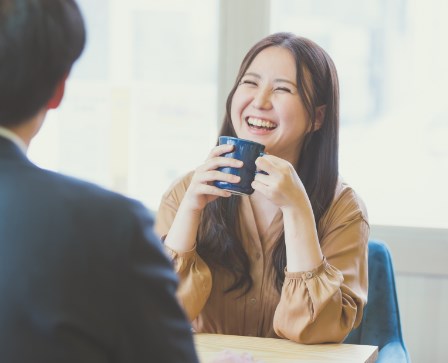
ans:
x=270 y=350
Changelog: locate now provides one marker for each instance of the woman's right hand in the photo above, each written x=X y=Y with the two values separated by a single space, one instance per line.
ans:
x=201 y=190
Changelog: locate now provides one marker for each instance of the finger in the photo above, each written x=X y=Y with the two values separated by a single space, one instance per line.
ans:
x=274 y=160
x=265 y=164
x=261 y=187
x=207 y=189
x=273 y=165
x=220 y=149
x=262 y=177
x=216 y=175
x=223 y=161
x=220 y=162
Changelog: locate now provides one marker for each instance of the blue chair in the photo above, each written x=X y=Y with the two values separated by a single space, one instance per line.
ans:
x=380 y=324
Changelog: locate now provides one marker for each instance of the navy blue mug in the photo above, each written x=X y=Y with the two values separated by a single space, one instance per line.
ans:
x=247 y=151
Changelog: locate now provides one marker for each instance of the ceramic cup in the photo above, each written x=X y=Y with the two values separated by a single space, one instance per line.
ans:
x=246 y=151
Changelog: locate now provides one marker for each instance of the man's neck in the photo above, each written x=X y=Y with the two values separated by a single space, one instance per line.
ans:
x=11 y=136
x=23 y=134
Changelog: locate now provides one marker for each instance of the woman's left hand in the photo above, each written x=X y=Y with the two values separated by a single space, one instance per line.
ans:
x=282 y=186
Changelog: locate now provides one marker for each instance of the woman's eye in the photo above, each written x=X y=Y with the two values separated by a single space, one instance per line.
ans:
x=248 y=82
x=283 y=89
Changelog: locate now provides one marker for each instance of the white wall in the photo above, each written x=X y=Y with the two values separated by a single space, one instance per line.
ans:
x=419 y=256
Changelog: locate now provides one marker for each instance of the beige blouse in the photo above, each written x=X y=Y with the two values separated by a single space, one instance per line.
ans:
x=316 y=306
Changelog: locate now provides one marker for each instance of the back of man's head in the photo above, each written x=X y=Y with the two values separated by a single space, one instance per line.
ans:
x=39 y=42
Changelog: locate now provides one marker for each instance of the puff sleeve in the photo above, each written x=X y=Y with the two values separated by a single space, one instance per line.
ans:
x=195 y=279
x=325 y=304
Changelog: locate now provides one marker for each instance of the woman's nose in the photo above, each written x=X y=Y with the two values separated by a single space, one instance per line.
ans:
x=262 y=99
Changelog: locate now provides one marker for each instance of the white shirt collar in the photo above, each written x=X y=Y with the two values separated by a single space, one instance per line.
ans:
x=8 y=134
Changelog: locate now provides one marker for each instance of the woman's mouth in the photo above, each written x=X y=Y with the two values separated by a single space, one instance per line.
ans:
x=260 y=124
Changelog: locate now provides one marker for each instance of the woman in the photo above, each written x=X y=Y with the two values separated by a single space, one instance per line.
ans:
x=290 y=260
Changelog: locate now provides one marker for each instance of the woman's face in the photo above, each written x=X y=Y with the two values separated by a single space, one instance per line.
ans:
x=266 y=106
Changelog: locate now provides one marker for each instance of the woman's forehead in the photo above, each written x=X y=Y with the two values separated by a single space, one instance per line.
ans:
x=274 y=60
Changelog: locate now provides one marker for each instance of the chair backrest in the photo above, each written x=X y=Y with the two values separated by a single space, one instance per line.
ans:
x=380 y=324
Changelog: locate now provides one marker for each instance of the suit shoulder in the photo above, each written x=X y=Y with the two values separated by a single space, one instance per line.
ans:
x=78 y=192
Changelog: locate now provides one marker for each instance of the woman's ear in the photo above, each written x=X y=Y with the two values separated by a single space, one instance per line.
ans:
x=58 y=94
x=320 y=117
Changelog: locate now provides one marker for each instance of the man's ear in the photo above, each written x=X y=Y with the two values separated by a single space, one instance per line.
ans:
x=58 y=94
x=320 y=117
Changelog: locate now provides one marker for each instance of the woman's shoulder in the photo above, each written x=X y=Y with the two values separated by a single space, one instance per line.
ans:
x=347 y=201
x=179 y=186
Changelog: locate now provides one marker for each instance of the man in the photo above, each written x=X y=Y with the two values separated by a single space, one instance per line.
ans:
x=82 y=276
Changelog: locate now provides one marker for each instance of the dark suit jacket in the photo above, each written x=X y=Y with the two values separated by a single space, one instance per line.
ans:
x=82 y=276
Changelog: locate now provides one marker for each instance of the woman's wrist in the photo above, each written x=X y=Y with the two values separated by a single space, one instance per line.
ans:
x=303 y=250
x=182 y=234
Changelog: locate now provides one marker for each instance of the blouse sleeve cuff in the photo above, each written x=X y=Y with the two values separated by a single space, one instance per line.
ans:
x=320 y=284
x=306 y=275
x=184 y=255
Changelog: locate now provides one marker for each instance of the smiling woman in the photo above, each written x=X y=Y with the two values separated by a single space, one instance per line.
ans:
x=294 y=251
x=266 y=106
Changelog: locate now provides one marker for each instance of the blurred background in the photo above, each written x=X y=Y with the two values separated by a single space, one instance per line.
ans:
x=144 y=103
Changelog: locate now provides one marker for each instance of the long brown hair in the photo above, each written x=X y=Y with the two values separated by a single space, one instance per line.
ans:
x=219 y=241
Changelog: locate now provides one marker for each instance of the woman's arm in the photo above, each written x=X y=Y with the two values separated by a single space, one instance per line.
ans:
x=325 y=287
x=283 y=187
x=183 y=230
x=178 y=221
x=194 y=275
x=324 y=304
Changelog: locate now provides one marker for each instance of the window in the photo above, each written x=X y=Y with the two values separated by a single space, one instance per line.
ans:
x=140 y=104
x=391 y=59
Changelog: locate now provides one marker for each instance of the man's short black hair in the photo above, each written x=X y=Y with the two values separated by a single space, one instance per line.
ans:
x=39 y=42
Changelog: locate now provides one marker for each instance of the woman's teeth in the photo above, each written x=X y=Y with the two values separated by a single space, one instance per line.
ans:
x=256 y=122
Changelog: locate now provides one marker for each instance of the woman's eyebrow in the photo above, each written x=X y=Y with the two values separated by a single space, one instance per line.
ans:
x=256 y=75
x=276 y=80
x=284 y=81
